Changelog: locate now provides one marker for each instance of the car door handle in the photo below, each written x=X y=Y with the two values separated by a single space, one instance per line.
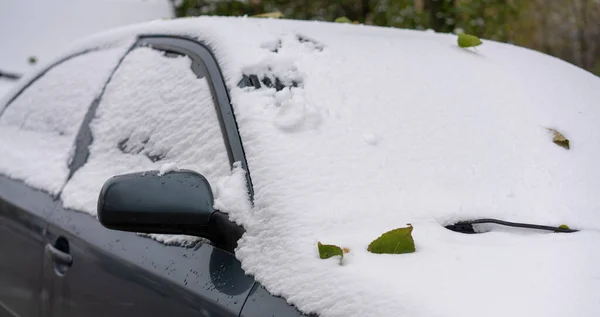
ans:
x=58 y=256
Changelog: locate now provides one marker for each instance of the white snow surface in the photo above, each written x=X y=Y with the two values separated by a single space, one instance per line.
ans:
x=5 y=86
x=38 y=129
x=458 y=134
x=167 y=168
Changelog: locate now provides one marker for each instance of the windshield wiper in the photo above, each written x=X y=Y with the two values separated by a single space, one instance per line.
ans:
x=467 y=226
x=11 y=76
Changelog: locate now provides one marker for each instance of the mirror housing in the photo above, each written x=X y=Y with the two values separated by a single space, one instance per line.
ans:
x=175 y=203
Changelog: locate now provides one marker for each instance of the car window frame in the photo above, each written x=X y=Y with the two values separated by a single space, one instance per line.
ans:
x=201 y=55
x=37 y=75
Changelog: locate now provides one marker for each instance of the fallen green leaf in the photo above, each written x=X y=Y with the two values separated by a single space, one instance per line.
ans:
x=343 y=20
x=328 y=250
x=467 y=40
x=560 y=139
x=395 y=241
x=275 y=15
x=563 y=226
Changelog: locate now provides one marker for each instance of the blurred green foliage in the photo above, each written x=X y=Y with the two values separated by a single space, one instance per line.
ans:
x=567 y=29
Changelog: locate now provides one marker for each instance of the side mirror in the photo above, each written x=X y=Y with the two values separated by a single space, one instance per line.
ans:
x=174 y=203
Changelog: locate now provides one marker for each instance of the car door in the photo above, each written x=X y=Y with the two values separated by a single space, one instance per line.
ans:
x=21 y=251
x=38 y=127
x=158 y=109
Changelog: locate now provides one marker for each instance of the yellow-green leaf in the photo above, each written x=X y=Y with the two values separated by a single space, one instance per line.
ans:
x=328 y=250
x=560 y=139
x=343 y=20
x=395 y=241
x=467 y=40
x=563 y=226
x=274 y=15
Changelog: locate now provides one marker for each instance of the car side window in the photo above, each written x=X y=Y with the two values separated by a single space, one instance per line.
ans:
x=156 y=112
x=39 y=126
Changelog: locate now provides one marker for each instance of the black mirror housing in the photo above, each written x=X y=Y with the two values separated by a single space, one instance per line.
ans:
x=147 y=201
x=175 y=203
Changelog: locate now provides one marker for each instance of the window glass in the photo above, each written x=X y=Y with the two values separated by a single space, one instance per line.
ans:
x=38 y=128
x=154 y=111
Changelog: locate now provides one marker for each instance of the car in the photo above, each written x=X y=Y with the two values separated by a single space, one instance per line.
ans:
x=189 y=167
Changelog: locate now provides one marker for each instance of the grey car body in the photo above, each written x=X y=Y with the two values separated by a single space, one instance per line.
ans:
x=60 y=262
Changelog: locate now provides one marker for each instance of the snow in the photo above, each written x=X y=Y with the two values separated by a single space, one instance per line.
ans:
x=5 y=86
x=37 y=139
x=459 y=135
x=231 y=194
x=167 y=168
x=154 y=115
x=465 y=137
x=371 y=138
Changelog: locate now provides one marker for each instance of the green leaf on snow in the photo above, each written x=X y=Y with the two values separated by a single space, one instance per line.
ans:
x=395 y=241
x=328 y=250
x=273 y=15
x=343 y=20
x=467 y=40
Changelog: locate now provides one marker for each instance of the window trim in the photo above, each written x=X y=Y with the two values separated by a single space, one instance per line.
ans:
x=84 y=136
x=201 y=54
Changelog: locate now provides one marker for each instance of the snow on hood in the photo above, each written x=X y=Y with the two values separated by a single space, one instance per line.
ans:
x=375 y=128
x=392 y=127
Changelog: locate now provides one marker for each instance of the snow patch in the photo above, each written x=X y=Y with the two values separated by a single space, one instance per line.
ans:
x=295 y=113
x=231 y=195
x=371 y=138
x=176 y=240
x=37 y=140
x=272 y=46
x=167 y=168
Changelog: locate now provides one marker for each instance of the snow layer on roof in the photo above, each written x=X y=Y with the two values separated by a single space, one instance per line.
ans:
x=38 y=129
x=375 y=128
x=155 y=114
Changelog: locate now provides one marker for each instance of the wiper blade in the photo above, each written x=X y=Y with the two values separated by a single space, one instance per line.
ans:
x=467 y=226
x=11 y=76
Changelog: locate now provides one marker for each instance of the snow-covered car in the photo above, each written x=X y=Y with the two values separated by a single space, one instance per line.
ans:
x=192 y=167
